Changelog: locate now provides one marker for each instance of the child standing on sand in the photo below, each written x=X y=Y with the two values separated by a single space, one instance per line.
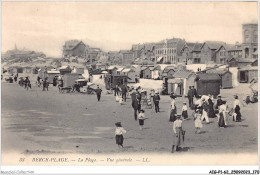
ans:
x=197 y=120
x=184 y=111
x=141 y=118
x=119 y=134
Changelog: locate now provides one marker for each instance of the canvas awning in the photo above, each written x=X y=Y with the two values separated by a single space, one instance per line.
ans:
x=159 y=59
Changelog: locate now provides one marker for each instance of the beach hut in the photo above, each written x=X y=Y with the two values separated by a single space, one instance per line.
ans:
x=247 y=74
x=112 y=80
x=131 y=75
x=78 y=70
x=112 y=70
x=225 y=77
x=168 y=71
x=187 y=78
x=175 y=86
x=207 y=83
x=69 y=79
x=119 y=71
x=51 y=74
x=146 y=73
x=156 y=72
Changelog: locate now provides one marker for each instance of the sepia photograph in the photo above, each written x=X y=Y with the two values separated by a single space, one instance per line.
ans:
x=129 y=83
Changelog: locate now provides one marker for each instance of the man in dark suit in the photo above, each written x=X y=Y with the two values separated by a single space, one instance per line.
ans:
x=124 y=91
x=98 y=92
x=194 y=92
x=190 y=96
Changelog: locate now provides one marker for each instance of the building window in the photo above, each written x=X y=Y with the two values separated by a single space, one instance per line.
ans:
x=246 y=52
x=196 y=60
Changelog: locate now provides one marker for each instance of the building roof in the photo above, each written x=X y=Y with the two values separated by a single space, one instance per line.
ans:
x=207 y=77
x=65 y=68
x=213 y=45
x=231 y=47
x=197 y=47
x=218 y=71
x=144 y=68
x=53 y=72
x=71 y=44
x=126 y=51
x=149 y=46
x=120 y=69
x=247 y=60
x=112 y=67
x=168 y=68
x=127 y=70
x=255 y=68
x=182 y=74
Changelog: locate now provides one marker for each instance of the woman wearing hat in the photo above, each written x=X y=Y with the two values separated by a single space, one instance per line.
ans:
x=197 y=121
x=222 y=115
x=237 y=114
x=184 y=111
x=178 y=133
x=211 y=112
x=173 y=109
x=119 y=134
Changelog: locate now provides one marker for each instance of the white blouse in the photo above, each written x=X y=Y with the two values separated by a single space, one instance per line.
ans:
x=120 y=131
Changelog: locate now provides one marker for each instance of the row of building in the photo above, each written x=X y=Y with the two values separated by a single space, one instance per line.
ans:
x=172 y=51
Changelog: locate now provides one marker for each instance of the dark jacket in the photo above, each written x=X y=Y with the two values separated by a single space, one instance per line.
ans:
x=156 y=98
x=98 y=91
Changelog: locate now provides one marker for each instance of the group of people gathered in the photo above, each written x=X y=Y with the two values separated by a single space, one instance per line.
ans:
x=203 y=106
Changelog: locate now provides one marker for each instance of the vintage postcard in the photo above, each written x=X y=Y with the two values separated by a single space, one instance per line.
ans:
x=129 y=83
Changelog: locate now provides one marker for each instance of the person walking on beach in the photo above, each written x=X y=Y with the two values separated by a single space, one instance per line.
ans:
x=119 y=134
x=156 y=100
x=173 y=109
x=197 y=121
x=222 y=117
x=204 y=111
x=141 y=118
x=179 y=133
x=116 y=90
x=98 y=92
x=124 y=91
x=219 y=102
x=211 y=112
x=135 y=105
x=190 y=96
x=237 y=114
x=184 y=111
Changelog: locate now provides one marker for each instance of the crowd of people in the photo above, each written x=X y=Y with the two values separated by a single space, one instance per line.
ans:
x=202 y=106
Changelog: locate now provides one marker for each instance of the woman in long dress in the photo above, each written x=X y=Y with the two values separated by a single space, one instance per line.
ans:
x=222 y=115
x=211 y=112
x=173 y=109
x=237 y=114
x=197 y=121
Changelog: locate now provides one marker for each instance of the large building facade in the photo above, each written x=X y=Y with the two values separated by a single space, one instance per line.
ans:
x=74 y=48
x=250 y=40
x=169 y=50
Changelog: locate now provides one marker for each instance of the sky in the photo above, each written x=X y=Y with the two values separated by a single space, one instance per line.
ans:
x=111 y=26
